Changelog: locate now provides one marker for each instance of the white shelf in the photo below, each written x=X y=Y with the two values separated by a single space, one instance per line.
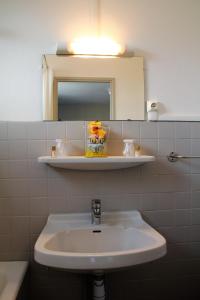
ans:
x=95 y=163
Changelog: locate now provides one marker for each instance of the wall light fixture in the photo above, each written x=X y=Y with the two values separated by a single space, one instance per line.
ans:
x=92 y=45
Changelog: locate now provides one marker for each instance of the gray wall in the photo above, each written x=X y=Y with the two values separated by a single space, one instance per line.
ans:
x=167 y=194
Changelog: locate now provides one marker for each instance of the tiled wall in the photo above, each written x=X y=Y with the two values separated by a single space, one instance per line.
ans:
x=168 y=194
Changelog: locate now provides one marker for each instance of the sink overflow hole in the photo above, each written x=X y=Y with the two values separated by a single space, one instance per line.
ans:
x=96 y=231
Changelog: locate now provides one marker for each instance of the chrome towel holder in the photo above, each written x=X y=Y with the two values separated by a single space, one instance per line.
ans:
x=173 y=157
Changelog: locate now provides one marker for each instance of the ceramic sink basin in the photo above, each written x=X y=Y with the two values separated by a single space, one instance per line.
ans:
x=123 y=239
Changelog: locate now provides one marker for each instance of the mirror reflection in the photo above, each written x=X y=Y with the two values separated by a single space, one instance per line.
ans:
x=93 y=88
x=84 y=100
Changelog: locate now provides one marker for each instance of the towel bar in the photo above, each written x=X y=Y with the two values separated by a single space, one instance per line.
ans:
x=173 y=157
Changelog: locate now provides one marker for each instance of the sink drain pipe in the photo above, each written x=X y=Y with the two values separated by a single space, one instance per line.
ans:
x=99 y=287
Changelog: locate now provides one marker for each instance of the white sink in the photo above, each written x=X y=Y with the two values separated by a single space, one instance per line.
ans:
x=69 y=241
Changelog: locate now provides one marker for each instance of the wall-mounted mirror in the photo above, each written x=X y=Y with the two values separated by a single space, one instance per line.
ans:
x=86 y=88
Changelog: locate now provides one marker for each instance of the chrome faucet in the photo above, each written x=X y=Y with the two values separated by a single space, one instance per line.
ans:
x=96 y=211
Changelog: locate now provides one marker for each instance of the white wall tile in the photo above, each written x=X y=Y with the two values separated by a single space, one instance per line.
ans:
x=38 y=187
x=122 y=202
x=4 y=188
x=17 y=168
x=195 y=199
x=115 y=147
x=130 y=130
x=13 y=188
x=182 y=200
x=149 y=147
x=4 y=150
x=56 y=172
x=148 y=130
x=39 y=206
x=195 y=130
x=158 y=201
x=182 y=217
x=37 y=223
x=195 y=217
x=37 y=130
x=5 y=225
x=3 y=169
x=82 y=203
x=182 y=130
x=160 y=218
x=149 y=201
x=36 y=170
x=20 y=243
x=18 y=150
x=174 y=183
x=180 y=234
x=166 y=130
x=195 y=147
x=86 y=183
x=115 y=129
x=36 y=149
x=195 y=165
x=161 y=190
x=56 y=130
x=20 y=226
x=165 y=146
x=5 y=242
x=4 y=207
x=195 y=151
x=149 y=184
x=57 y=204
x=17 y=187
x=195 y=182
x=151 y=168
x=75 y=130
x=17 y=130
x=3 y=130
x=183 y=147
x=121 y=181
x=17 y=206
x=178 y=168
x=75 y=147
x=57 y=187
x=166 y=201
x=195 y=233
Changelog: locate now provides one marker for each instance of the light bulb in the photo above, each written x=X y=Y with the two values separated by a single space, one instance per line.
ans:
x=95 y=46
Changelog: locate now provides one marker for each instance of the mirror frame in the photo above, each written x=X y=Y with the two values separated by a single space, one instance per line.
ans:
x=125 y=73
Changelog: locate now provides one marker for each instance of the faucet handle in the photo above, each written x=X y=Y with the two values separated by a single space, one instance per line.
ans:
x=96 y=211
x=96 y=203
